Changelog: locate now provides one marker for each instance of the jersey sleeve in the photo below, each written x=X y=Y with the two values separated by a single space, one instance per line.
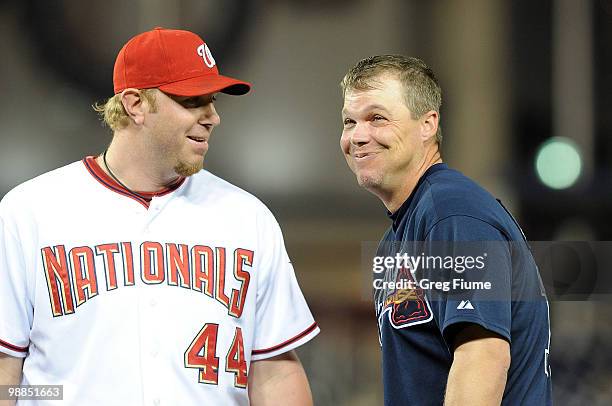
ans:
x=283 y=319
x=16 y=310
x=478 y=276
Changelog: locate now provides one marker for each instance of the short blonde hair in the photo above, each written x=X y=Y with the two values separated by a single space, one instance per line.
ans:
x=422 y=91
x=113 y=114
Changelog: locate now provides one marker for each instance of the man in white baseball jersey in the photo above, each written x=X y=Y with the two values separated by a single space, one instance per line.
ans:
x=137 y=278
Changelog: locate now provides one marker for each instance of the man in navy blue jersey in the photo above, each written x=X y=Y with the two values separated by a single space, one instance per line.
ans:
x=462 y=314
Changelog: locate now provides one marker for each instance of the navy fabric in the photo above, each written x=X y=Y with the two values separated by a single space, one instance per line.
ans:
x=417 y=326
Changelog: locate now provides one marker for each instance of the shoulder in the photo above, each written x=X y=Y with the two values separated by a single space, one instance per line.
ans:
x=24 y=205
x=206 y=188
x=223 y=199
x=451 y=198
x=452 y=193
x=45 y=186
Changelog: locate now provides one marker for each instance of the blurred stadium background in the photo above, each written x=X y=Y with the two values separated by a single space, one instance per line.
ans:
x=526 y=85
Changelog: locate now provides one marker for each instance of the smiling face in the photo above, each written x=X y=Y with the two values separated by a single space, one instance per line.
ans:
x=383 y=145
x=179 y=131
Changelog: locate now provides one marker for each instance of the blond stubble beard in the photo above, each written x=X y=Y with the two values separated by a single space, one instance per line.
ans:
x=181 y=168
x=185 y=169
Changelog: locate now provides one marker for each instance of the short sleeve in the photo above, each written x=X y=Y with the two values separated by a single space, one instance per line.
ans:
x=16 y=310
x=283 y=319
x=477 y=270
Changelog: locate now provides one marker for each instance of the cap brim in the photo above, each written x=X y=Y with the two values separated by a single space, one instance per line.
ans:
x=207 y=84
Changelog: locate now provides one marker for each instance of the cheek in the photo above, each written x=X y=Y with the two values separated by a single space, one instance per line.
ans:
x=187 y=120
x=383 y=136
x=345 y=142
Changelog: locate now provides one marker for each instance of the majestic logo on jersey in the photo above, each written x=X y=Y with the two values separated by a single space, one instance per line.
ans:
x=465 y=305
x=73 y=276
x=205 y=53
x=405 y=306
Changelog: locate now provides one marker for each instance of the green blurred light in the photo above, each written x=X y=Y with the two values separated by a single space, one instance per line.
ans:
x=558 y=163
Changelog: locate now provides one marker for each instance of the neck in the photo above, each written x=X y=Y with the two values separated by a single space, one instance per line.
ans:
x=394 y=199
x=135 y=170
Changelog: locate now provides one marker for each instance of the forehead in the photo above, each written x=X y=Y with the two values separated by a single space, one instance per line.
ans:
x=387 y=92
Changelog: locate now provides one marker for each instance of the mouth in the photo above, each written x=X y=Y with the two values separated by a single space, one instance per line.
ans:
x=197 y=139
x=360 y=156
x=199 y=144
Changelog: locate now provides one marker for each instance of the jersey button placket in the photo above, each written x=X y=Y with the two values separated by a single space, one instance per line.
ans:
x=155 y=208
x=153 y=370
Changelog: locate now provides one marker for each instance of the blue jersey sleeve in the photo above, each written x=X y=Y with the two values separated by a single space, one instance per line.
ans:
x=474 y=267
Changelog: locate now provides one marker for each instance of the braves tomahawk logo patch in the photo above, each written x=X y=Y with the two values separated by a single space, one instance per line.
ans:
x=404 y=306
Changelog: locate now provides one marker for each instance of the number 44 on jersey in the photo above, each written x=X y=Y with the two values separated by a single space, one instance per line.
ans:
x=201 y=354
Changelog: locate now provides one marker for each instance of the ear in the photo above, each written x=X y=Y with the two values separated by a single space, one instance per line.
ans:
x=429 y=125
x=134 y=105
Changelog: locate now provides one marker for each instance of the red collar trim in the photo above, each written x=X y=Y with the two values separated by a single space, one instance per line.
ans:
x=145 y=197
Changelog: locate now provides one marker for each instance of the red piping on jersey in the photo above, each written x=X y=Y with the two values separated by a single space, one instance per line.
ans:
x=286 y=343
x=13 y=347
x=98 y=173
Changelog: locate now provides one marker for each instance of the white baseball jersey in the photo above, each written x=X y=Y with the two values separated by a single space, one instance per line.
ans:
x=128 y=302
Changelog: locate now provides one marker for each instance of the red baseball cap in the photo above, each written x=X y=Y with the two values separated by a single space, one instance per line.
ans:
x=174 y=61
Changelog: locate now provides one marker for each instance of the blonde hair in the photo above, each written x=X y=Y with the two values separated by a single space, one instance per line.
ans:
x=422 y=91
x=113 y=114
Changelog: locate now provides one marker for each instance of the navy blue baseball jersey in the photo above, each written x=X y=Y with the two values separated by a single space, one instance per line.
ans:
x=465 y=260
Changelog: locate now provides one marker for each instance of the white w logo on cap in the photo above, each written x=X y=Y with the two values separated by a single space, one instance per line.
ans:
x=204 y=52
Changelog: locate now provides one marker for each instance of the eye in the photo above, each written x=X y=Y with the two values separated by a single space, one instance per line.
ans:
x=378 y=117
x=348 y=122
x=189 y=102
x=195 y=101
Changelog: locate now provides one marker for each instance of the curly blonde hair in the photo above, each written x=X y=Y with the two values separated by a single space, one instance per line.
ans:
x=113 y=114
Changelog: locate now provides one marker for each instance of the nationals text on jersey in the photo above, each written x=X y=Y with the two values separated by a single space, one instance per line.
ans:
x=73 y=275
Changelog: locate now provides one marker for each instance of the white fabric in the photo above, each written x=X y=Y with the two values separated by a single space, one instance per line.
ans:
x=127 y=344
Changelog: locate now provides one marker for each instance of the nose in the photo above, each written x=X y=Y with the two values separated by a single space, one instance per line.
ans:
x=209 y=115
x=360 y=135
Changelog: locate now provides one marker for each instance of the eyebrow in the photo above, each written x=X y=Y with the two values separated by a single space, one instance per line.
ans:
x=368 y=108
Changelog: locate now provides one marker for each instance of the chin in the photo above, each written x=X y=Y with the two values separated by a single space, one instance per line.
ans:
x=369 y=180
x=187 y=169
